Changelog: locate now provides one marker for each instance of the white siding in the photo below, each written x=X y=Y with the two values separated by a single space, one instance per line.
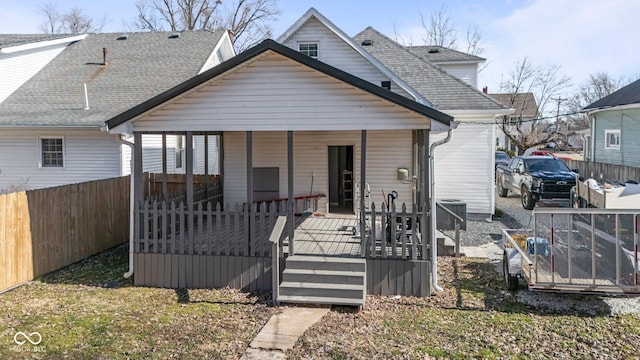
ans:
x=464 y=169
x=276 y=93
x=335 y=52
x=222 y=52
x=89 y=155
x=17 y=68
x=467 y=73
x=386 y=151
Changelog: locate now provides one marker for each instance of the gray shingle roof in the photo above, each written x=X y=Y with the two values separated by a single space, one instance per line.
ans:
x=627 y=95
x=138 y=68
x=7 y=40
x=524 y=104
x=437 y=54
x=445 y=91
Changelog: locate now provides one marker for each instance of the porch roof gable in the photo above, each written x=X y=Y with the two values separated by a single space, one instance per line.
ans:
x=252 y=53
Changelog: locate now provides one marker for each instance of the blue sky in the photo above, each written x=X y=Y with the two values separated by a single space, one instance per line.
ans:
x=582 y=36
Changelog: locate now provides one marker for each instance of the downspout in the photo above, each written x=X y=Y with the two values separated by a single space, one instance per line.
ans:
x=432 y=190
x=128 y=274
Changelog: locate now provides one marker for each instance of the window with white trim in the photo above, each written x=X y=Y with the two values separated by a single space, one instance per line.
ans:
x=309 y=49
x=179 y=151
x=612 y=139
x=52 y=152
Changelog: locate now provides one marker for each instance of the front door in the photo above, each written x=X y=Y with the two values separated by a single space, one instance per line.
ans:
x=341 y=179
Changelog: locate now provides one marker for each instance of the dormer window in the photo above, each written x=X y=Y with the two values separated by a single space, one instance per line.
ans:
x=309 y=49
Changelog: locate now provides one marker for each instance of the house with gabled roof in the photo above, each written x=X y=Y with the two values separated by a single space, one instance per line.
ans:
x=289 y=123
x=615 y=127
x=519 y=123
x=465 y=167
x=314 y=119
x=64 y=87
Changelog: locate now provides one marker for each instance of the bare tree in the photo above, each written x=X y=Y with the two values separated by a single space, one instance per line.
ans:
x=248 y=20
x=439 y=28
x=71 y=22
x=595 y=88
x=544 y=83
x=52 y=20
x=473 y=40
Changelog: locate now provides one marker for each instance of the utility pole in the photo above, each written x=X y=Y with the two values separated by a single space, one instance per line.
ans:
x=558 y=101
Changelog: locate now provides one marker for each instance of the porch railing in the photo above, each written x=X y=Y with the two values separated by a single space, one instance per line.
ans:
x=165 y=228
x=396 y=234
x=301 y=204
x=457 y=221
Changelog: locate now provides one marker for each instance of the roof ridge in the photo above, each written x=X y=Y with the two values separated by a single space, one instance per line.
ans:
x=435 y=67
x=448 y=49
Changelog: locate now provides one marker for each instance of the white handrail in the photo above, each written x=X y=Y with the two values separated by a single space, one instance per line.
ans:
x=274 y=238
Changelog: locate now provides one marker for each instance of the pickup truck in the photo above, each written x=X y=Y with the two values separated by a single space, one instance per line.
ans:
x=535 y=178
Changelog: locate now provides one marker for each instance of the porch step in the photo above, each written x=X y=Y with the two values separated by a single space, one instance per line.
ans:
x=446 y=245
x=323 y=276
x=304 y=288
x=326 y=263
x=323 y=280
x=317 y=300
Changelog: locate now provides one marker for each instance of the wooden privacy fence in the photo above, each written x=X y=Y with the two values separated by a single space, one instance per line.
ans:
x=44 y=230
x=204 y=187
x=604 y=172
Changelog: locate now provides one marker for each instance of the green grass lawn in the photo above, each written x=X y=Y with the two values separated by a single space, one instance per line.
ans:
x=88 y=310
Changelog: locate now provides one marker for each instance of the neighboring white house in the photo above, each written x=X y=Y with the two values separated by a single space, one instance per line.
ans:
x=62 y=89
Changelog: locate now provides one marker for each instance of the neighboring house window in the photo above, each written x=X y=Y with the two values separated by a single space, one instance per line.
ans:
x=179 y=151
x=612 y=139
x=309 y=49
x=52 y=150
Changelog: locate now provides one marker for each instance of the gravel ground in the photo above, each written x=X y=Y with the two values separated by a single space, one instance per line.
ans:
x=486 y=233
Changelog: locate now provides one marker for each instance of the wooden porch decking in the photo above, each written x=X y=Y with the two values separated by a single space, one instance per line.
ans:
x=327 y=236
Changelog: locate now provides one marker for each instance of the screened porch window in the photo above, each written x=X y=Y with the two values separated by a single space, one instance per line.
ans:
x=612 y=139
x=52 y=152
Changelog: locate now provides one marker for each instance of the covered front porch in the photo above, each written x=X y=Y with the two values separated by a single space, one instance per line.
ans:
x=279 y=146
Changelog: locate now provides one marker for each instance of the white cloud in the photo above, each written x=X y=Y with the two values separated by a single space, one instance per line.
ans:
x=583 y=36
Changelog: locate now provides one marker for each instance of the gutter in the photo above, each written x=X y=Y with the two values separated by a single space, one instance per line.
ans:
x=128 y=274
x=434 y=243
